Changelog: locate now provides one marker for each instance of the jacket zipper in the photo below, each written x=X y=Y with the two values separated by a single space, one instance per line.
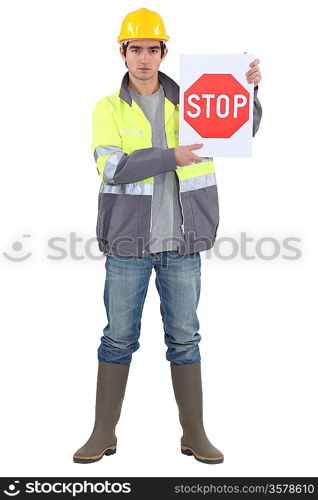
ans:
x=151 y=207
x=179 y=191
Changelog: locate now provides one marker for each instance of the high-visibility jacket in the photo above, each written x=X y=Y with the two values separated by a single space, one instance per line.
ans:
x=127 y=163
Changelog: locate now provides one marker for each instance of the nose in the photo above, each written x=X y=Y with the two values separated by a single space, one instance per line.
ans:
x=144 y=58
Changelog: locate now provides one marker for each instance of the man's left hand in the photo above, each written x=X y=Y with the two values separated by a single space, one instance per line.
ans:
x=253 y=75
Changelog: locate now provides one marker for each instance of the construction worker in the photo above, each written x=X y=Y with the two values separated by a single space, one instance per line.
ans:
x=157 y=208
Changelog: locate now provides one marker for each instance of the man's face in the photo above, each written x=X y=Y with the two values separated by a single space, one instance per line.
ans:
x=143 y=58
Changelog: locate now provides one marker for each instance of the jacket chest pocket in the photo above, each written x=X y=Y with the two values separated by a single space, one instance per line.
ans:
x=132 y=139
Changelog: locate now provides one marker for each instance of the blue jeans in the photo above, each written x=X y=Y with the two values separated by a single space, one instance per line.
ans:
x=178 y=283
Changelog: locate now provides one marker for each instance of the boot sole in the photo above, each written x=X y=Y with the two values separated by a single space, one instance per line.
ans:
x=185 y=450
x=110 y=450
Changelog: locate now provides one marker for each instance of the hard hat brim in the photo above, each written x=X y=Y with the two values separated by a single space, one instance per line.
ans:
x=142 y=38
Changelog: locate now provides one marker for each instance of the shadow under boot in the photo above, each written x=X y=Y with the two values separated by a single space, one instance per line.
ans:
x=187 y=386
x=110 y=391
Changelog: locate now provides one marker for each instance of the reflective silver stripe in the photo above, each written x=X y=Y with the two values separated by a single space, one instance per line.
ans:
x=132 y=188
x=197 y=182
x=115 y=154
x=111 y=165
x=131 y=132
x=204 y=159
x=100 y=151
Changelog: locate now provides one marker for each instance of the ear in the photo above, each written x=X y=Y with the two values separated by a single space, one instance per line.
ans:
x=121 y=50
x=165 y=52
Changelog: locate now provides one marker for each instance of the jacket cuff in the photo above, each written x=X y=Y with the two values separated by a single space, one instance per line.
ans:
x=169 y=159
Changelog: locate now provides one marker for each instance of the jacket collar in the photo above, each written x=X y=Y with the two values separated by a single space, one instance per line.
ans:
x=170 y=88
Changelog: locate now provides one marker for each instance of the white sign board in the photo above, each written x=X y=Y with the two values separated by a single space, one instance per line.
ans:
x=216 y=104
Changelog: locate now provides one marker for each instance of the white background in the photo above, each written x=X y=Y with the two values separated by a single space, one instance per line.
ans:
x=257 y=317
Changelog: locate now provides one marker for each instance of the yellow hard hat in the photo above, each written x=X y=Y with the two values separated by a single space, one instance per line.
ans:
x=143 y=23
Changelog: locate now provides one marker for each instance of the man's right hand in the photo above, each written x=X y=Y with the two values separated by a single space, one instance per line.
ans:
x=184 y=156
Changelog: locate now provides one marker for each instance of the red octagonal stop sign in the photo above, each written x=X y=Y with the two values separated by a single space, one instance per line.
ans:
x=216 y=106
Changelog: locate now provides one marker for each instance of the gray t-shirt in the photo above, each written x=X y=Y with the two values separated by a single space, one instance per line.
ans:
x=166 y=209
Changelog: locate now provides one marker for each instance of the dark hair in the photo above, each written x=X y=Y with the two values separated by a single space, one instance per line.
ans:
x=125 y=45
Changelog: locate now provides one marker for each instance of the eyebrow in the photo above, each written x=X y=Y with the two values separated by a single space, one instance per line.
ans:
x=139 y=47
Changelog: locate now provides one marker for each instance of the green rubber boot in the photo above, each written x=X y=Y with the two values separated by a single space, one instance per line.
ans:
x=111 y=386
x=187 y=386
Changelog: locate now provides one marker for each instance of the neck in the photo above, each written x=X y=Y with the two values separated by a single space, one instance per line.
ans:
x=146 y=87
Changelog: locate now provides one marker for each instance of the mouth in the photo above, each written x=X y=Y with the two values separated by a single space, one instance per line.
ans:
x=144 y=69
